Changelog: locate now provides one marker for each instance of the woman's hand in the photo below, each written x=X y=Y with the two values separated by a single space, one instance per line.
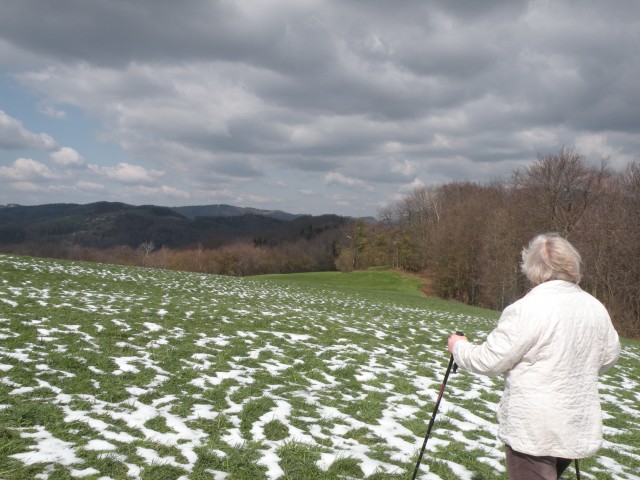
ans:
x=455 y=338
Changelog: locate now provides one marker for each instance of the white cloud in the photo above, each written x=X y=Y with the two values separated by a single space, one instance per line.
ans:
x=598 y=147
x=336 y=178
x=127 y=174
x=165 y=190
x=14 y=136
x=27 y=169
x=410 y=187
x=406 y=168
x=68 y=157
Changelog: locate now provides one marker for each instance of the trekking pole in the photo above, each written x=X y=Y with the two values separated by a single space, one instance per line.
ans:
x=452 y=364
x=577 y=470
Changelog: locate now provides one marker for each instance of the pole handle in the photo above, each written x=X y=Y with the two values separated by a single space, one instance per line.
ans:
x=455 y=365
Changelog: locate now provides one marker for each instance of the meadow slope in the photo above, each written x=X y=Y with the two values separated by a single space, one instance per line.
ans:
x=110 y=372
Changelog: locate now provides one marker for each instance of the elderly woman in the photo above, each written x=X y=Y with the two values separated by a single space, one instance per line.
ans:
x=551 y=345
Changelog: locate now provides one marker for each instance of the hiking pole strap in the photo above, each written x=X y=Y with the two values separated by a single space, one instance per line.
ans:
x=455 y=365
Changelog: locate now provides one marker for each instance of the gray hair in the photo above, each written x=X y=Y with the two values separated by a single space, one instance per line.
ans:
x=551 y=257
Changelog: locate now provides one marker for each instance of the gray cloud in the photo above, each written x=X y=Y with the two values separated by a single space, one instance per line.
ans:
x=342 y=94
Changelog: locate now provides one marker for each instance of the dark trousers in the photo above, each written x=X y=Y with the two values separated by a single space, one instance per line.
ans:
x=528 y=467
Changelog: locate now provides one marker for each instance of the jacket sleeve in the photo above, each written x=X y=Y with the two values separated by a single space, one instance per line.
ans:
x=612 y=349
x=503 y=348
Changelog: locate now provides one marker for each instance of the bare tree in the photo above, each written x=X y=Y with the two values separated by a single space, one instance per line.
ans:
x=561 y=188
x=163 y=257
x=144 y=250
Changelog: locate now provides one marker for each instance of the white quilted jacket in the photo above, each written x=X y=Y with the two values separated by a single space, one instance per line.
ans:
x=551 y=345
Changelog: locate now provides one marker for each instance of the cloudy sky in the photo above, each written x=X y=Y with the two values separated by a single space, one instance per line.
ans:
x=307 y=106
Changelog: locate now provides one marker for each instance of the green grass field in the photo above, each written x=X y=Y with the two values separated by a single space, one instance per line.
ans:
x=110 y=372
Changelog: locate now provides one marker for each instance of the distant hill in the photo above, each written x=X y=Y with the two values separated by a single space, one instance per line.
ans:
x=222 y=210
x=109 y=224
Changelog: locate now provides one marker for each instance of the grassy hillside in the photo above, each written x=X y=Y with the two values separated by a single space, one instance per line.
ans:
x=125 y=373
x=381 y=281
x=377 y=284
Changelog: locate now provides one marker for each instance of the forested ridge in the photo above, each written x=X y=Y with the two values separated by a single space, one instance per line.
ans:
x=463 y=238
x=238 y=241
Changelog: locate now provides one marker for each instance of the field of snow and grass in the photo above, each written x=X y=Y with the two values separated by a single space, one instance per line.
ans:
x=109 y=372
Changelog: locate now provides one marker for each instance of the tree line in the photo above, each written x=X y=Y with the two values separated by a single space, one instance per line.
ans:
x=467 y=238
x=238 y=258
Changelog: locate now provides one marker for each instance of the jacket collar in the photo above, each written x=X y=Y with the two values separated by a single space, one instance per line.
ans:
x=556 y=286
